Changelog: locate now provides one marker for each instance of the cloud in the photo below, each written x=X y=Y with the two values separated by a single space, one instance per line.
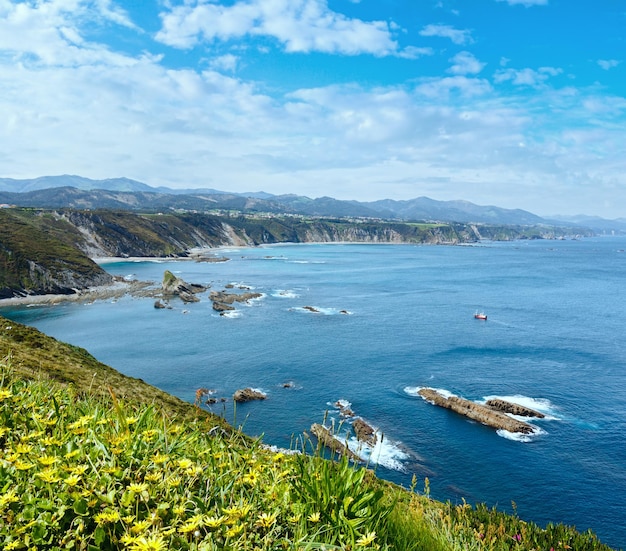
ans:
x=299 y=25
x=607 y=64
x=457 y=36
x=526 y=3
x=526 y=77
x=464 y=63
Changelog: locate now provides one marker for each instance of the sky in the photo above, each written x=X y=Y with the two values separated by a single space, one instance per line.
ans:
x=513 y=103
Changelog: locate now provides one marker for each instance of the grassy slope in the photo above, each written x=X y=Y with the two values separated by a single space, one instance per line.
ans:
x=34 y=355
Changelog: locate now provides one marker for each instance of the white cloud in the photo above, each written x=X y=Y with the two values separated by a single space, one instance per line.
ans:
x=607 y=64
x=464 y=63
x=526 y=77
x=299 y=25
x=457 y=36
x=526 y=3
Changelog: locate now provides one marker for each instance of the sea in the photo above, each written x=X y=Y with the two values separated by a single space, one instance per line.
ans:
x=364 y=327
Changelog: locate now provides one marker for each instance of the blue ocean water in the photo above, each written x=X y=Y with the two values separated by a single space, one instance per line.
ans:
x=391 y=319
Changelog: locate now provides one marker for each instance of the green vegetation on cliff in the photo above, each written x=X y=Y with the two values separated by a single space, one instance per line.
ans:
x=91 y=459
x=33 y=259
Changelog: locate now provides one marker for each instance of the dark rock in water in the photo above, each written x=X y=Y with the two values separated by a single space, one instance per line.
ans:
x=326 y=438
x=248 y=394
x=513 y=409
x=364 y=433
x=344 y=409
x=159 y=305
x=221 y=307
x=175 y=286
x=476 y=412
x=223 y=297
x=311 y=309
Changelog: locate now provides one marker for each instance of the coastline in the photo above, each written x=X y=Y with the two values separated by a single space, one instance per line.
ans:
x=117 y=289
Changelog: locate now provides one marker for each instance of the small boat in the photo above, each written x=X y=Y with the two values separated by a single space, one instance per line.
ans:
x=480 y=316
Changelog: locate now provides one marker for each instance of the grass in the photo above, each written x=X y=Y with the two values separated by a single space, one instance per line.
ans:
x=92 y=460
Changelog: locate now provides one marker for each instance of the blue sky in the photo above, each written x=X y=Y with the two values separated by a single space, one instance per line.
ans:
x=514 y=103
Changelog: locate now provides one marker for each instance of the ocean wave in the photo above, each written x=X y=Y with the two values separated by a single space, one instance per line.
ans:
x=306 y=261
x=230 y=314
x=285 y=293
x=519 y=437
x=317 y=310
x=385 y=452
x=414 y=391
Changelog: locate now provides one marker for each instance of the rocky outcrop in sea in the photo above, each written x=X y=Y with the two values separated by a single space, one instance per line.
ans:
x=175 y=286
x=477 y=412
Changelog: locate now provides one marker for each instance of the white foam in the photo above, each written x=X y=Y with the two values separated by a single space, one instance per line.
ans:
x=521 y=437
x=231 y=314
x=318 y=311
x=414 y=391
x=538 y=404
x=285 y=293
x=385 y=452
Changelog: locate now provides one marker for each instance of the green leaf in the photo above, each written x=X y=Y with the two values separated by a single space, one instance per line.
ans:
x=80 y=507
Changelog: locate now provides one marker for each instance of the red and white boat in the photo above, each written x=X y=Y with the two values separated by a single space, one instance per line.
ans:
x=480 y=316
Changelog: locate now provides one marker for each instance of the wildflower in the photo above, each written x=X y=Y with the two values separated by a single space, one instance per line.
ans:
x=149 y=543
x=160 y=458
x=131 y=420
x=366 y=539
x=184 y=463
x=266 y=520
x=192 y=524
x=23 y=449
x=234 y=530
x=73 y=480
x=5 y=394
x=51 y=441
x=294 y=519
x=314 y=517
x=107 y=516
x=72 y=454
x=79 y=469
x=153 y=477
x=140 y=526
x=7 y=498
x=48 y=460
x=214 y=522
x=23 y=465
x=3 y=431
x=178 y=510
x=15 y=544
x=138 y=488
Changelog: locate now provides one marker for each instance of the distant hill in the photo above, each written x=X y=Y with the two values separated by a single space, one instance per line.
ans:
x=69 y=191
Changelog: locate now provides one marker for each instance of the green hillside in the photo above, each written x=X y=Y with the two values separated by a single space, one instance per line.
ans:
x=93 y=460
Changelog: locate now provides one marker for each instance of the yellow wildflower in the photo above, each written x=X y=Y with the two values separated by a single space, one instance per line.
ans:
x=314 y=517
x=107 y=516
x=15 y=544
x=160 y=458
x=72 y=480
x=149 y=543
x=79 y=469
x=23 y=465
x=72 y=454
x=192 y=524
x=131 y=420
x=266 y=520
x=7 y=498
x=234 y=531
x=184 y=463
x=367 y=539
x=5 y=394
x=3 y=431
x=51 y=441
x=23 y=449
x=138 y=488
x=140 y=526
x=47 y=460
x=153 y=477
x=214 y=522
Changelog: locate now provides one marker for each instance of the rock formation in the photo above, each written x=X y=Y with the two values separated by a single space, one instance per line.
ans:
x=222 y=301
x=248 y=394
x=513 y=409
x=326 y=438
x=364 y=433
x=476 y=412
x=175 y=286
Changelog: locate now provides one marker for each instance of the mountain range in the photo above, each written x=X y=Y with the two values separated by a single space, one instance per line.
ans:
x=70 y=191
